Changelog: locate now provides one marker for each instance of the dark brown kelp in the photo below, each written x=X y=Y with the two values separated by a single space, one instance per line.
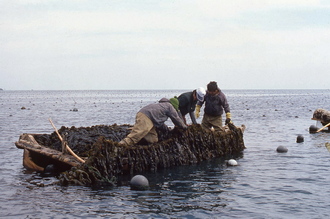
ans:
x=322 y=115
x=107 y=159
x=82 y=139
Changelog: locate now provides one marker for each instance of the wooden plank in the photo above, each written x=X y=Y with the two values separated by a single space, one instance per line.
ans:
x=31 y=145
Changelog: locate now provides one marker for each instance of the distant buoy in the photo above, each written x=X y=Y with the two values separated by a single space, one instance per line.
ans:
x=281 y=149
x=139 y=182
x=232 y=162
x=313 y=129
x=300 y=139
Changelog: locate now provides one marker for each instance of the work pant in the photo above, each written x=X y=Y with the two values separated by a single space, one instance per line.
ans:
x=212 y=121
x=143 y=128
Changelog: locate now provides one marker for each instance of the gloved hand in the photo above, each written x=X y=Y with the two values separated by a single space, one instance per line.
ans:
x=228 y=118
x=197 y=111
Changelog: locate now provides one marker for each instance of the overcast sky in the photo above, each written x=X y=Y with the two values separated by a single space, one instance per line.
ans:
x=145 y=44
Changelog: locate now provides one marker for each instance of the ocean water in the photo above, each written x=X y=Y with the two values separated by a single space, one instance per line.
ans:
x=265 y=184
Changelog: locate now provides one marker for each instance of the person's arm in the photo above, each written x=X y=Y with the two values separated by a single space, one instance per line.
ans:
x=225 y=104
x=176 y=119
x=182 y=117
x=226 y=108
x=192 y=117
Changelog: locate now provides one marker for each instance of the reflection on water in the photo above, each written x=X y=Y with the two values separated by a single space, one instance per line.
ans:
x=266 y=184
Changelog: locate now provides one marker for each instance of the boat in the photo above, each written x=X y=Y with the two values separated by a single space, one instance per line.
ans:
x=91 y=156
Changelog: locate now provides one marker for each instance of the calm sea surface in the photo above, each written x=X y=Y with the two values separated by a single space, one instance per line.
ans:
x=265 y=184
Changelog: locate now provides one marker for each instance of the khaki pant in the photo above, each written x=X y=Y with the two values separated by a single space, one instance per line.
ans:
x=143 y=128
x=212 y=121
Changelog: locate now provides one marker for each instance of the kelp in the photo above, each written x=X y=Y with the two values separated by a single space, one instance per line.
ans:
x=322 y=115
x=81 y=139
x=106 y=159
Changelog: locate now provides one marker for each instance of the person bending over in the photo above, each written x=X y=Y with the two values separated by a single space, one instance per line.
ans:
x=151 y=117
x=188 y=103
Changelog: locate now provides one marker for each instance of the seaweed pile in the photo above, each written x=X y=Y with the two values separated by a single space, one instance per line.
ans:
x=106 y=159
x=81 y=139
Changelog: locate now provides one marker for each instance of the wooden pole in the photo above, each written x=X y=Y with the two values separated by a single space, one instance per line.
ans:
x=66 y=145
x=323 y=127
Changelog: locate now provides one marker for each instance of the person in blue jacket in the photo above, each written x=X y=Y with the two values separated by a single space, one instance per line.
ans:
x=215 y=104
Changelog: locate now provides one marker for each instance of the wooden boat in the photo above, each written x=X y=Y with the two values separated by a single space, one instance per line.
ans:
x=97 y=158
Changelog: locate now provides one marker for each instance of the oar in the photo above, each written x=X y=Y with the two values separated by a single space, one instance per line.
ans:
x=66 y=145
x=323 y=127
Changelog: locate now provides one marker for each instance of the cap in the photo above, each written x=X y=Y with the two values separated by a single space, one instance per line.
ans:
x=175 y=102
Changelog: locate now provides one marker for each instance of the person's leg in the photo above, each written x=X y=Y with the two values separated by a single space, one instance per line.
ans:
x=212 y=121
x=216 y=122
x=206 y=125
x=141 y=128
x=152 y=136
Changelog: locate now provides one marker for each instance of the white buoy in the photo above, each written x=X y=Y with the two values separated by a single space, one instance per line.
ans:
x=232 y=162
x=139 y=182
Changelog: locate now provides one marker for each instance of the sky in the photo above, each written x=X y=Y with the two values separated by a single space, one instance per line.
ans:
x=172 y=44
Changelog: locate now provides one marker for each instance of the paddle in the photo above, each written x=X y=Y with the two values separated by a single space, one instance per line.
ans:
x=65 y=144
x=323 y=127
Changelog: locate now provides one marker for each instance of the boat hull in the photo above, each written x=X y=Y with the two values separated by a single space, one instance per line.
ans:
x=105 y=159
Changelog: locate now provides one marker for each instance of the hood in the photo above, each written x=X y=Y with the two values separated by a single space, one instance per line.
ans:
x=164 y=100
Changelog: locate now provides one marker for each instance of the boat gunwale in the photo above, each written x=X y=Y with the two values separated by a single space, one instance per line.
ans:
x=27 y=141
